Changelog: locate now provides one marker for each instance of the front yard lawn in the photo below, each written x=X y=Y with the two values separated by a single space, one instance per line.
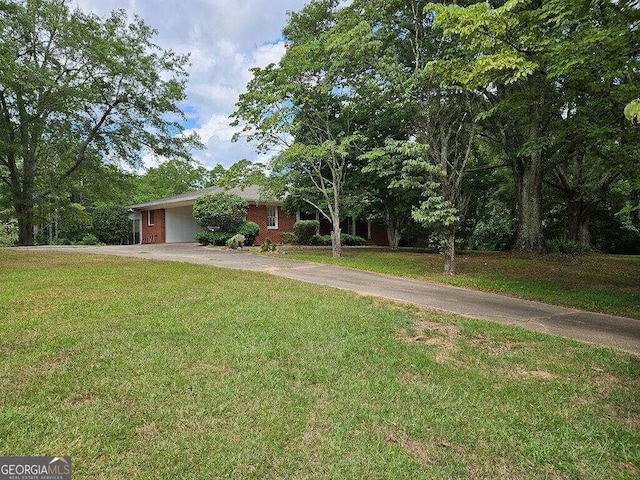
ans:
x=144 y=369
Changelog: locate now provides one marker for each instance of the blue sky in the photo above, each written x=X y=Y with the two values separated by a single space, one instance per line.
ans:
x=225 y=38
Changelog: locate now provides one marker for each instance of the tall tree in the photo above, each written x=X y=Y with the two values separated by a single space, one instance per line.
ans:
x=170 y=178
x=423 y=122
x=75 y=86
x=302 y=107
x=524 y=54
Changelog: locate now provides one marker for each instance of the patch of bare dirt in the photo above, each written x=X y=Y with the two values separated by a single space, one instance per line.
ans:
x=422 y=452
x=78 y=400
x=541 y=374
x=430 y=333
x=488 y=344
x=443 y=336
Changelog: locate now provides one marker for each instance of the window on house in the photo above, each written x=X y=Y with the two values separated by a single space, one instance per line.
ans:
x=151 y=217
x=272 y=217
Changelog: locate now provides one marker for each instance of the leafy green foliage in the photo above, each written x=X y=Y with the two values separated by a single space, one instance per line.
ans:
x=534 y=65
x=75 y=223
x=59 y=241
x=288 y=237
x=237 y=241
x=301 y=106
x=421 y=174
x=225 y=210
x=268 y=246
x=89 y=240
x=170 y=178
x=539 y=87
x=79 y=88
x=632 y=111
x=205 y=238
x=8 y=233
x=209 y=238
x=250 y=230
x=242 y=173
x=221 y=238
x=495 y=230
x=352 y=240
x=111 y=224
x=345 y=239
x=567 y=247
x=304 y=230
x=320 y=240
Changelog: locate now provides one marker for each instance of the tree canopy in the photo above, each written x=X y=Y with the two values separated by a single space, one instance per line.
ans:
x=224 y=210
x=74 y=87
x=433 y=97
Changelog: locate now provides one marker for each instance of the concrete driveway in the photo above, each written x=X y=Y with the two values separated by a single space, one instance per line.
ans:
x=609 y=330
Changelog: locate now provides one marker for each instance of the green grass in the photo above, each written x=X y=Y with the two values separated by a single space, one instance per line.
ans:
x=144 y=369
x=600 y=283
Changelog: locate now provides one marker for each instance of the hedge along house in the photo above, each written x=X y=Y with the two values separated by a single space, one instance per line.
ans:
x=170 y=220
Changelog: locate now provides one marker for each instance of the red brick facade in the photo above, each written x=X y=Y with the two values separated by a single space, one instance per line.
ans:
x=258 y=214
x=378 y=235
x=155 y=233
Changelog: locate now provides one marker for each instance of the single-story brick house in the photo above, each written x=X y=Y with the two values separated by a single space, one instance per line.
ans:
x=170 y=220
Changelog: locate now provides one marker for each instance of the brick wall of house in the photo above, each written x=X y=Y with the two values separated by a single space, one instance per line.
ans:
x=378 y=235
x=378 y=231
x=155 y=233
x=258 y=214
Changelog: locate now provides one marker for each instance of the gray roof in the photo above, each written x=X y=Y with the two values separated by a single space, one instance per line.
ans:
x=251 y=193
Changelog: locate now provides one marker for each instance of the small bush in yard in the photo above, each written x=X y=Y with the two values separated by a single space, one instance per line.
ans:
x=204 y=238
x=305 y=230
x=76 y=225
x=567 y=247
x=288 y=237
x=236 y=241
x=268 y=245
x=89 y=240
x=250 y=230
x=345 y=239
x=222 y=238
x=225 y=210
x=322 y=240
x=209 y=238
x=351 y=240
x=111 y=224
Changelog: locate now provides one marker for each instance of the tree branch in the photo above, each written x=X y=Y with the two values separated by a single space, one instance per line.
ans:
x=80 y=155
x=488 y=167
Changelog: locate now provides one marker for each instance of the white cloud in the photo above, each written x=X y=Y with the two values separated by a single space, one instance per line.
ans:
x=225 y=38
x=268 y=53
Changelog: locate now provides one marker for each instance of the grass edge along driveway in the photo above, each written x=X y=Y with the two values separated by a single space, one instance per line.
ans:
x=142 y=369
x=598 y=283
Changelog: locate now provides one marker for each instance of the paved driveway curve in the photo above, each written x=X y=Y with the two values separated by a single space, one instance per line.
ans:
x=609 y=330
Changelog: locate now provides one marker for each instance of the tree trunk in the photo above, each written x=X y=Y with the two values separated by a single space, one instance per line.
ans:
x=25 y=224
x=584 y=237
x=579 y=217
x=393 y=232
x=528 y=180
x=336 y=245
x=635 y=212
x=336 y=241
x=394 y=237
x=450 y=255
